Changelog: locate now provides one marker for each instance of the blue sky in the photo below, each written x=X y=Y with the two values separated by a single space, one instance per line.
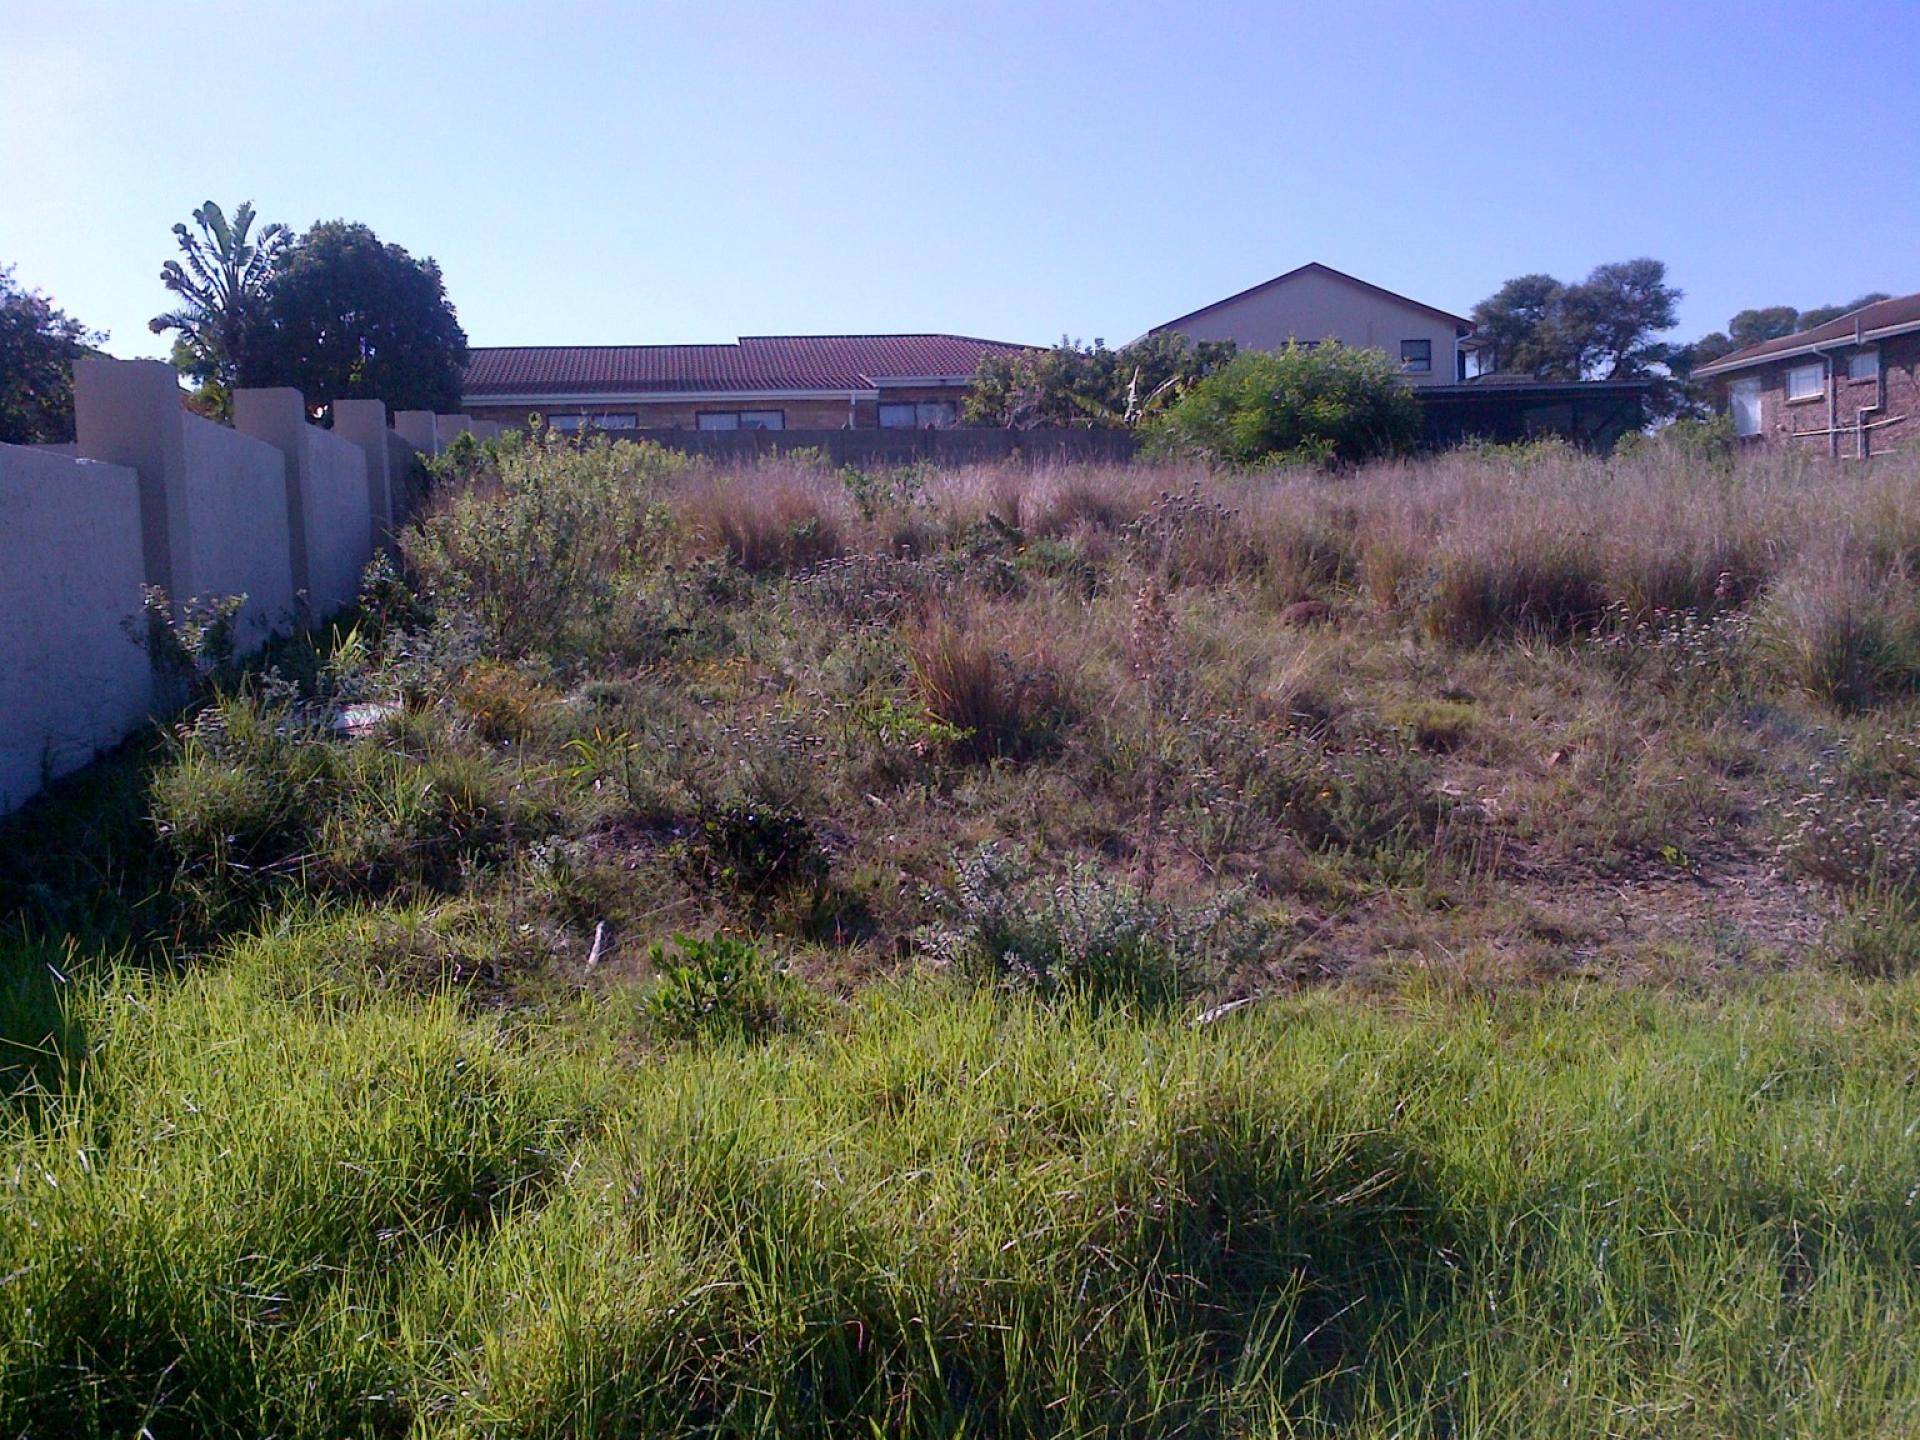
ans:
x=689 y=172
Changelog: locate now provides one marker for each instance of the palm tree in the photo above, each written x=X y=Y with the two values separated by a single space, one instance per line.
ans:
x=219 y=283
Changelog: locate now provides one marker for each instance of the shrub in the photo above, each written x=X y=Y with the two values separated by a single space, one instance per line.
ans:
x=539 y=546
x=1320 y=405
x=1854 y=820
x=754 y=846
x=1086 y=936
x=719 y=989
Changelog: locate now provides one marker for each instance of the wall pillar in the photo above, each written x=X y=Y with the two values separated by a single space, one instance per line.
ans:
x=364 y=423
x=447 y=426
x=128 y=412
x=417 y=428
x=279 y=417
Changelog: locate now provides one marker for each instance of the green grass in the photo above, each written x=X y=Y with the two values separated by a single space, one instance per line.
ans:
x=280 y=1195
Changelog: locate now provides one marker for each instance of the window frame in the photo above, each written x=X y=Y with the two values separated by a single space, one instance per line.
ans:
x=1423 y=364
x=1750 y=388
x=1818 y=368
x=742 y=420
x=1870 y=353
x=948 y=414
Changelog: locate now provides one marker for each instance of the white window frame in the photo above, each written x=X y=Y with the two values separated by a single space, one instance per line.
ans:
x=1743 y=405
x=1813 y=372
x=1422 y=365
x=1864 y=364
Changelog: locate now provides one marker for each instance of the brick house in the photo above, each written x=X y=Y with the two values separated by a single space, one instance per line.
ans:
x=761 y=382
x=1850 y=387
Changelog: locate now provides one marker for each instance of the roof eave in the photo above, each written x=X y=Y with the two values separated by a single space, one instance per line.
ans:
x=1730 y=363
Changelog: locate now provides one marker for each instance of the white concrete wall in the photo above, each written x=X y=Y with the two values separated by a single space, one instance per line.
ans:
x=237 y=535
x=162 y=497
x=73 y=680
x=1317 y=306
x=325 y=476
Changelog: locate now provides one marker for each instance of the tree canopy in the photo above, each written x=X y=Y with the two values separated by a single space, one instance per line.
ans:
x=345 y=316
x=1087 y=386
x=1606 y=327
x=38 y=345
x=219 y=280
x=1320 y=404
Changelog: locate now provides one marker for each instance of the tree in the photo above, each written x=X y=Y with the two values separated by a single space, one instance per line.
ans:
x=1603 y=328
x=1322 y=404
x=347 y=317
x=220 y=284
x=1520 y=323
x=1089 y=386
x=1821 y=314
x=1756 y=327
x=38 y=345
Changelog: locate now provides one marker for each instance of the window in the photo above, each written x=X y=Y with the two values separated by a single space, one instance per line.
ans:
x=1806 y=381
x=1743 y=400
x=741 y=420
x=567 y=424
x=917 y=415
x=1863 y=365
x=1416 y=356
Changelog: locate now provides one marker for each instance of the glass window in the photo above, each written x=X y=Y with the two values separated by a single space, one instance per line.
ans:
x=616 y=422
x=917 y=414
x=1863 y=365
x=1416 y=356
x=742 y=420
x=566 y=424
x=1743 y=399
x=1806 y=380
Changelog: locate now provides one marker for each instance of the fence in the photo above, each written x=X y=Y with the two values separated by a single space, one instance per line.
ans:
x=901 y=447
x=275 y=509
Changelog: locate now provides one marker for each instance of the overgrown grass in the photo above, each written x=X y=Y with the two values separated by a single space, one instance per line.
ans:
x=723 y=953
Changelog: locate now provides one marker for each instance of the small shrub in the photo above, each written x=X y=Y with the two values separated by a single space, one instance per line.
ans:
x=1845 y=636
x=754 y=847
x=717 y=990
x=1086 y=936
x=1854 y=821
x=501 y=703
x=767 y=521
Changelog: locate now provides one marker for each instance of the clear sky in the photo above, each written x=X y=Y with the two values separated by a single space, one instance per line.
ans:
x=599 y=173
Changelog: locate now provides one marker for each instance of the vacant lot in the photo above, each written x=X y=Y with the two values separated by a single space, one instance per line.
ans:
x=758 y=952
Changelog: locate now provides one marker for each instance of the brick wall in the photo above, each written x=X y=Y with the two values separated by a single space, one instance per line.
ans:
x=1893 y=396
x=823 y=413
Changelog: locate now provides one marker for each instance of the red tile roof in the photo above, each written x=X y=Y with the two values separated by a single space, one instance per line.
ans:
x=1898 y=313
x=756 y=362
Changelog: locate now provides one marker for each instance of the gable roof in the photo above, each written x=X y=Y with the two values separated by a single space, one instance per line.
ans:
x=1460 y=322
x=1883 y=317
x=754 y=363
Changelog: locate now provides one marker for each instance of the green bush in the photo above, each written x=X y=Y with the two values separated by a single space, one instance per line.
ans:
x=1086 y=936
x=1324 y=404
x=719 y=989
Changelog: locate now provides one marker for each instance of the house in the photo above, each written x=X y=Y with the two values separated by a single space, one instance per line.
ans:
x=1850 y=387
x=761 y=382
x=1316 y=302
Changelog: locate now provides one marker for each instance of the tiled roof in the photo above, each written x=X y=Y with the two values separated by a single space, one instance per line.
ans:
x=756 y=362
x=1882 y=314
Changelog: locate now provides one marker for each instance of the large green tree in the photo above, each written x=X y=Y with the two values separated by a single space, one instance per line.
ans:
x=1090 y=385
x=219 y=280
x=348 y=317
x=38 y=345
x=1606 y=327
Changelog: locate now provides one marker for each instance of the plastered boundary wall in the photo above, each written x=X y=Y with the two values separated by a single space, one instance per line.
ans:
x=275 y=509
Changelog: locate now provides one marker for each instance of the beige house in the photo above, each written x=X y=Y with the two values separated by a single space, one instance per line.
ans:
x=1317 y=302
